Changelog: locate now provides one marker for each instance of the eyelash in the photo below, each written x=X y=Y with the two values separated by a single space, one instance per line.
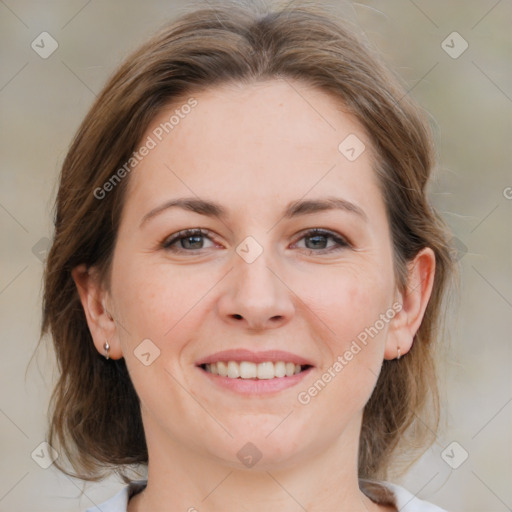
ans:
x=341 y=242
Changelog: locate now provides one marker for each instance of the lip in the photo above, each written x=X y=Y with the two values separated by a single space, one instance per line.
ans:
x=256 y=386
x=239 y=355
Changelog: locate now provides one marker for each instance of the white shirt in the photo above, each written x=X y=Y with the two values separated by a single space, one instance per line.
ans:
x=404 y=500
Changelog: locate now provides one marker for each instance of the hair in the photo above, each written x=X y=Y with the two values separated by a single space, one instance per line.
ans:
x=95 y=412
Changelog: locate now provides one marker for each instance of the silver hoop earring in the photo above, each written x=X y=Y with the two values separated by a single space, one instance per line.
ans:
x=106 y=346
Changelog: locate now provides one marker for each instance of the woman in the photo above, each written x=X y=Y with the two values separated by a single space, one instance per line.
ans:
x=246 y=279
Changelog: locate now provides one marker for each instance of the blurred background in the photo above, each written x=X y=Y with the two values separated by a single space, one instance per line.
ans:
x=455 y=58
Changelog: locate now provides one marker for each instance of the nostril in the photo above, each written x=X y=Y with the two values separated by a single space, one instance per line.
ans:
x=237 y=316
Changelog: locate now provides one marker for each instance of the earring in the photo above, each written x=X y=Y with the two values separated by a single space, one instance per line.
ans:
x=106 y=346
x=398 y=353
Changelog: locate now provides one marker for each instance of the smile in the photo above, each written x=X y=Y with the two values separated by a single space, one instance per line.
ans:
x=249 y=370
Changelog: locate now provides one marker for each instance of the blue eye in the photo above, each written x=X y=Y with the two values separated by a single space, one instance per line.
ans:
x=190 y=240
x=319 y=238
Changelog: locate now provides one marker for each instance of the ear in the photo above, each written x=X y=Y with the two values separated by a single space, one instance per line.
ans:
x=94 y=300
x=414 y=300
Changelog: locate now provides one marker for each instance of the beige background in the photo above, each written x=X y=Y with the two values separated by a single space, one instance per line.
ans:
x=470 y=101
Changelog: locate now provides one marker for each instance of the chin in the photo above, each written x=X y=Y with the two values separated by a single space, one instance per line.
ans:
x=257 y=446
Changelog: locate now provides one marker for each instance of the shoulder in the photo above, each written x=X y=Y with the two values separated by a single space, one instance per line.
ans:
x=405 y=501
x=402 y=499
x=119 y=502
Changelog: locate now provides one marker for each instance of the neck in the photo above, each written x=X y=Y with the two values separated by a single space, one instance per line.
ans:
x=181 y=478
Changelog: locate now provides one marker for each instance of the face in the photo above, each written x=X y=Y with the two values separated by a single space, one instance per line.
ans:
x=255 y=279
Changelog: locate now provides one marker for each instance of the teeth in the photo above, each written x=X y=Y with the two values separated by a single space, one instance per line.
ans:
x=248 y=370
x=279 y=369
x=222 y=368
x=233 y=370
x=266 y=371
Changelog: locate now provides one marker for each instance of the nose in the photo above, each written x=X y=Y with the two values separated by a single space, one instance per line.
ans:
x=255 y=295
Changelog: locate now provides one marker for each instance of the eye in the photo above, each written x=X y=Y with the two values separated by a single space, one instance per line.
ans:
x=316 y=241
x=187 y=240
x=190 y=240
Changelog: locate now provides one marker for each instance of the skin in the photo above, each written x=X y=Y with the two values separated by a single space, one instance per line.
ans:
x=254 y=148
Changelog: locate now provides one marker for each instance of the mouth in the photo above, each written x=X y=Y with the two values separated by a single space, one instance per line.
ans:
x=247 y=372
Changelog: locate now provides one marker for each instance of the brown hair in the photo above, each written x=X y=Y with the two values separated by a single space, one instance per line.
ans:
x=95 y=413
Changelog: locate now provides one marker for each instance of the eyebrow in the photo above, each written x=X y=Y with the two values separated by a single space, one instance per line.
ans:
x=294 y=209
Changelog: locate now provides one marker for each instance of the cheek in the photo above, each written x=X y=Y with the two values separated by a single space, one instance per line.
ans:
x=158 y=303
x=363 y=303
x=348 y=300
x=162 y=301
x=355 y=310
x=149 y=298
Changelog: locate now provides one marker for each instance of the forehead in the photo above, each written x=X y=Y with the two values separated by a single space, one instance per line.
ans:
x=285 y=116
x=278 y=136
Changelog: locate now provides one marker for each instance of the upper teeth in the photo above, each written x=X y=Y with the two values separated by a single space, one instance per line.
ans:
x=248 y=370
